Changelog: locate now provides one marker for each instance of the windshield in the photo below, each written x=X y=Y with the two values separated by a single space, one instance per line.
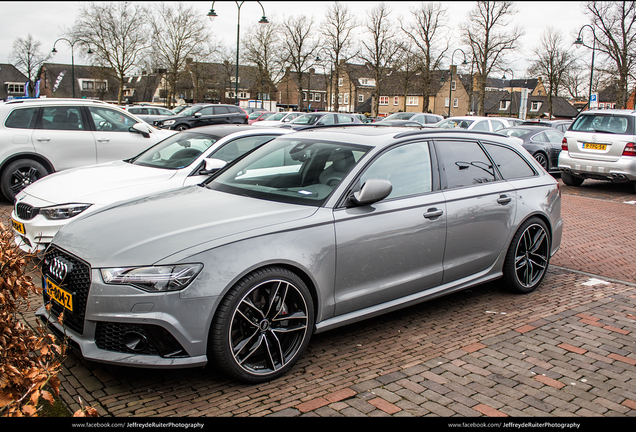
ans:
x=400 y=116
x=454 y=123
x=291 y=170
x=277 y=116
x=176 y=152
x=307 y=119
x=607 y=123
x=189 y=111
x=517 y=132
x=255 y=115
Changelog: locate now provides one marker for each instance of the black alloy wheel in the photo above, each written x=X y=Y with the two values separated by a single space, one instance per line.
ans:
x=262 y=326
x=528 y=257
x=542 y=159
x=20 y=174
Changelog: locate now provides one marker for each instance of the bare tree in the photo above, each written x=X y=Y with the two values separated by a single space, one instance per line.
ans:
x=337 y=28
x=615 y=30
x=179 y=34
x=428 y=33
x=27 y=58
x=380 y=49
x=116 y=34
x=263 y=49
x=299 y=48
x=552 y=62
x=486 y=33
x=575 y=80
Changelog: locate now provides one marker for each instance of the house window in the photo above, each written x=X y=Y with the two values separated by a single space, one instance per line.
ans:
x=311 y=96
x=455 y=103
x=412 y=100
x=503 y=105
x=15 y=88
x=535 y=106
x=317 y=97
x=446 y=102
x=346 y=98
x=364 y=81
x=340 y=82
x=304 y=96
x=384 y=100
x=453 y=85
x=360 y=98
x=396 y=100
x=89 y=85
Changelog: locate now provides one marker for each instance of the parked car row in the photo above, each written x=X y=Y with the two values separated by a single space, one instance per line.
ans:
x=233 y=245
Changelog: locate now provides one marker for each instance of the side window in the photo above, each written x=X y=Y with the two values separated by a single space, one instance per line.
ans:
x=540 y=137
x=481 y=126
x=431 y=119
x=511 y=165
x=220 y=110
x=110 y=120
x=344 y=119
x=62 y=118
x=240 y=146
x=23 y=118
x=329 y=119
x=206 y=111
x=496 y=125
x=418 y=118
x=464 y=163
x=554 y=136
x=407 y=167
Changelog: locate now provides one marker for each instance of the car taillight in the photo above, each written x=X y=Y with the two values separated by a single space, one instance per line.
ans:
x=564 y=144
x=630 y=149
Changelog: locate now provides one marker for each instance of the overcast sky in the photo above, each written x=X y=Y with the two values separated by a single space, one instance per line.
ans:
x=46 y=21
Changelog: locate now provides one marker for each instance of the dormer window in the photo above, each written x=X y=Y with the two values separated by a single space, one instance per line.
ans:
x=503 y=105
x=535 y=106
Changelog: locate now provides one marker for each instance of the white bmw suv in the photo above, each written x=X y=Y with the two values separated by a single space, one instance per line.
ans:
x=600 y=145
x=41 y=136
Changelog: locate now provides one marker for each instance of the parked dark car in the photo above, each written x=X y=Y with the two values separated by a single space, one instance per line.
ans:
x=422 y=118
x=204 y=115
x=541 y=142
x=320 y=119
x=560 y=125
x=150 y=114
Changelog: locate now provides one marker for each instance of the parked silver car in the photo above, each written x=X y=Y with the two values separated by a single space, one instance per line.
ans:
x=311 y=231
x=600 y=145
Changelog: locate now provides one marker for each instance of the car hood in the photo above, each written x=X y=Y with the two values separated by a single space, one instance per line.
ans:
x=268 y=123
x=150 y=229
x=96 y=184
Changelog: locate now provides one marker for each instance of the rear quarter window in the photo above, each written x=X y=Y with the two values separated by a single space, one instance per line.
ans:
x=22 y=118
x=510 y=164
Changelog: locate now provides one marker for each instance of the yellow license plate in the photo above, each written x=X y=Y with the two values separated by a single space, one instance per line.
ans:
x=18 y=226
x=592 y=146
x=58 y=294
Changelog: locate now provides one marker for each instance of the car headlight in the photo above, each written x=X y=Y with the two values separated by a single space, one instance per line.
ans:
x=168 y=122
x=154 y=278
x=65 y=211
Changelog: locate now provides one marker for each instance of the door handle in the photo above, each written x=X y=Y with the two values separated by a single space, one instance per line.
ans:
x=103 y=139
x=433 y=213
x=504 y=199
x=43 y=139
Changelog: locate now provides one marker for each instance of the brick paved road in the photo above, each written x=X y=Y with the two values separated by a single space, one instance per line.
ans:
x=568 y=349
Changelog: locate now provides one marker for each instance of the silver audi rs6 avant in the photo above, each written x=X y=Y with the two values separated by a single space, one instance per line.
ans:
x=311 y=231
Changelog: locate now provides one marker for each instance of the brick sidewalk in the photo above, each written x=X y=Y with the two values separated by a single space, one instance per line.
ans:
x=567 y=349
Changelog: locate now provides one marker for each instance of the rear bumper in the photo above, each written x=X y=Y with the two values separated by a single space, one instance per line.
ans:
x=622 y=170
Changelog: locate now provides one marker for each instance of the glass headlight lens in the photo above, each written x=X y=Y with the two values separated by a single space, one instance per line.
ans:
x=65 y=211
x=154 y=278
x=168 y=122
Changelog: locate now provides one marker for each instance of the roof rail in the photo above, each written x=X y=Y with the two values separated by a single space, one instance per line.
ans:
x=460 y=131
x=54 y=100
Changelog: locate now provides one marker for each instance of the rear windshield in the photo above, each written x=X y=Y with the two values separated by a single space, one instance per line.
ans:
x=604 y=123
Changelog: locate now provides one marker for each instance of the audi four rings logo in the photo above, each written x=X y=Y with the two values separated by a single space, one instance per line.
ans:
x=59 y=269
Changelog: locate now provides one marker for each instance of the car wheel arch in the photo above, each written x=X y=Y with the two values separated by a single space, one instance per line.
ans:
x=33 y=156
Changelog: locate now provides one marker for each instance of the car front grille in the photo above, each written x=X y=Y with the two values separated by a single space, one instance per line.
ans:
x=77 y=282
x=26 y=211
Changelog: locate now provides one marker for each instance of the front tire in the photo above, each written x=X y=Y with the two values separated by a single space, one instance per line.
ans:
x=527 y=258
x=20 y=174
x=262 y=326
x=182 y=127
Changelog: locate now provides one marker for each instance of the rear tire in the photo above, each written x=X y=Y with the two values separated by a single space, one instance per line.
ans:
x=20 y=174
x=571 y=180
x=262 y=326
x=542 y=159
x=527 y=258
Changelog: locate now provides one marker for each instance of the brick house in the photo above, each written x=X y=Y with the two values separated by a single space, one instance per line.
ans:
x=313 y=91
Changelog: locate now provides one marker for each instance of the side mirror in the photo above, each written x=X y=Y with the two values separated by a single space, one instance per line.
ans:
x=197 y=115
x=373 y=190
x=140 y=128
x=212 y=165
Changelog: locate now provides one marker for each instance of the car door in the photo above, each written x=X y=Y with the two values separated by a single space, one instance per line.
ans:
x=480 y=209
x=395 y=247
x=62 y=135
x=113 y=137
x=221 y=115
x=482 y=125
x=345 y=119
x=328 y=119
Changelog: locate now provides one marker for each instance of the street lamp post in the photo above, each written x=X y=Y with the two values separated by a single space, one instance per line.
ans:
x=511 y=89
x=211 y=15
x=72 y=44
x=577 y=43
x=450 y=81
